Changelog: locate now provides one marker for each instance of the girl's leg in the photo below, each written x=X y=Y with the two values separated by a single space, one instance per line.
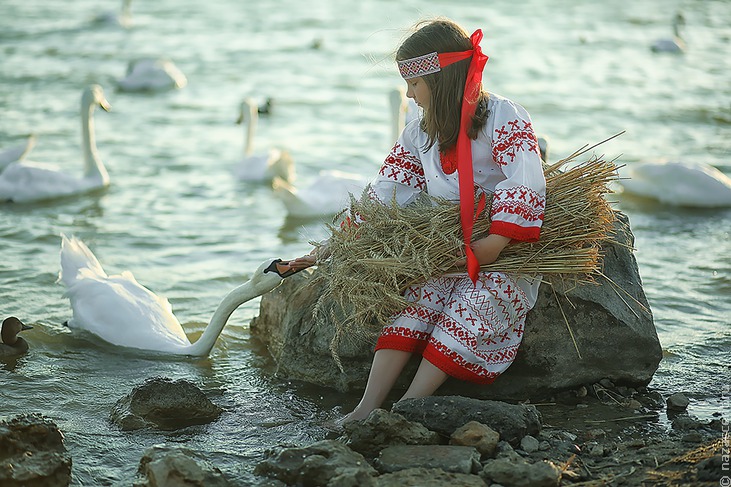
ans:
x=426 y=381
x=386 y=367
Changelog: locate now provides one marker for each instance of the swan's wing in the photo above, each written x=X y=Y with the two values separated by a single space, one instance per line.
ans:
x=122 y=312
x=23 y=182
x=16 y=153
x=680 y=184
x=75 y=255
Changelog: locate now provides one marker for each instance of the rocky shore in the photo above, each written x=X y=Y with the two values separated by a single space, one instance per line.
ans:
x=594 y=436
x=582 y=439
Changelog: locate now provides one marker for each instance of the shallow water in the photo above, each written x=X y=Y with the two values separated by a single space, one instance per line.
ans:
x=177 y=219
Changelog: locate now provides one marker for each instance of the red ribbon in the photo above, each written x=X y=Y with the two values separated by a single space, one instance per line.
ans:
x=464 y=149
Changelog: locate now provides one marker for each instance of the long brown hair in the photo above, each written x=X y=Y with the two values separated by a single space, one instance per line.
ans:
x=441 y=121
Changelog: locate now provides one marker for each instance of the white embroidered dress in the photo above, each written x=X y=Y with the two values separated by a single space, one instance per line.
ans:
x=471 y=332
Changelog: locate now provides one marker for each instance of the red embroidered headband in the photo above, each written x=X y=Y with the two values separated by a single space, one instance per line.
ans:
x=429 y=63
x=432 y=63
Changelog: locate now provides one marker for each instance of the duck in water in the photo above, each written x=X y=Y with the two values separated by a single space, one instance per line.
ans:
x=12 y=345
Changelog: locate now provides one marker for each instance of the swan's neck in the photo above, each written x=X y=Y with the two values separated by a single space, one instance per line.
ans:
x=233 y=300
x=250 y=121
x=93 y=167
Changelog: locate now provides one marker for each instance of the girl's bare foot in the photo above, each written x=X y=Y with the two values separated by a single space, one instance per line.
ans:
x=355 y=415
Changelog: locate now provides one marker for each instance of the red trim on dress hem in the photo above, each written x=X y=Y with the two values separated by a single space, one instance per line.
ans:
x=439 y=360
x=401 y=343
x=447 y=366
x=514 y=231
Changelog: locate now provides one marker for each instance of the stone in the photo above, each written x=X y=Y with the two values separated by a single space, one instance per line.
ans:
x=521 y=474
x=478 y=435
x=383 y=428
x=316 y=465
x=172 y=466
x=610 y=322
x=455 y=459
x=164 y=404
x=445 y=414
x=529 y=444
x=32 y=453
x=678 y=402
x=428 y=477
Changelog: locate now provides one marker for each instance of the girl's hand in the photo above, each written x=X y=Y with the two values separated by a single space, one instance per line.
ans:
x=302 y=262
x=487 y=250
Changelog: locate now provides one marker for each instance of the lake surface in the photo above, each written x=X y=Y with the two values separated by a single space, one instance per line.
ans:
x=177 y=219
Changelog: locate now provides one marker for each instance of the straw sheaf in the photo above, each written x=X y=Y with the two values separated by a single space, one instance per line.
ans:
x=372 y=263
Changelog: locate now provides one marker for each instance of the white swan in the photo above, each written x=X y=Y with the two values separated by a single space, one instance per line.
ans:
x=150 y=74
x=260 y=167
x=17 y=152
x=22 y=182
x=328 y=194
x=124 y=313
x=674 y=45
x=679 y=184
x=123 y=18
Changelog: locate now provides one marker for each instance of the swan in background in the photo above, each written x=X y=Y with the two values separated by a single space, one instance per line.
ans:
x=23 y=182
x=122 y=312
x=267 y=107
x=150 y=74
x=679 y=184
x=123 y=18
x=328 y=194
x=403 y=111
x=674 y=45
x=543 y=147
x=260 y=167
x=17 y=152
x=12 y=345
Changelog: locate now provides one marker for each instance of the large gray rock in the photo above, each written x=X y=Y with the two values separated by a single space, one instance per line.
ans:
x=32 y=453
x=610 y=323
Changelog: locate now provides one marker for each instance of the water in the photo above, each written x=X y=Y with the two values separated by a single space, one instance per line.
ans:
x=176 y=218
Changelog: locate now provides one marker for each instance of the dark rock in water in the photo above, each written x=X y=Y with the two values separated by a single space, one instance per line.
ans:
x=165 y=404
x=678 y=402
x=32 y=453
x=610 y=323
x=171 y=466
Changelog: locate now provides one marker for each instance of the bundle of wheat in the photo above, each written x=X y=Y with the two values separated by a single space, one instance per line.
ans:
x=371 y=263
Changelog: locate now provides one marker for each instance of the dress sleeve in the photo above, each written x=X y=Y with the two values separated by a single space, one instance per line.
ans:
x=402 y=174
x=519 y=201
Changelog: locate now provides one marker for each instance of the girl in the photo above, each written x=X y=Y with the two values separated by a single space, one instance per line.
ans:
x=465 y=325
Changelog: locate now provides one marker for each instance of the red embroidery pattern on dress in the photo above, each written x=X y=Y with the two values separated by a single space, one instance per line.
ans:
x=515 y=136
x=449 y=314
x=521 y=201
x=404 y=168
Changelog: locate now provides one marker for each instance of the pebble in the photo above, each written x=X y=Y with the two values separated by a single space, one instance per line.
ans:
x=678 y=402
x=529 y=444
